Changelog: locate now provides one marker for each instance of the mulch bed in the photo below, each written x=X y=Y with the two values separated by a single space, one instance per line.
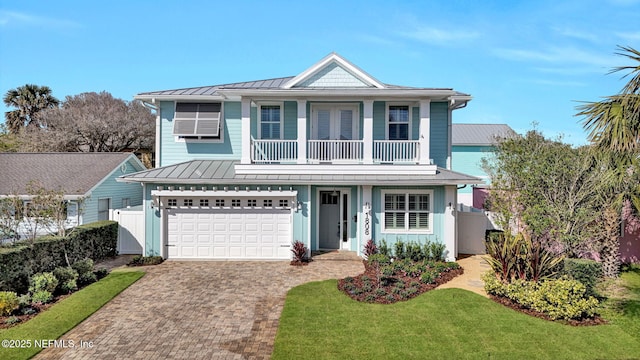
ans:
x=597 y=320
x=370 y=272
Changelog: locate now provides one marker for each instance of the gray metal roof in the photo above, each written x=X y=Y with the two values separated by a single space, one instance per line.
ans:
x=223 y=172
x=211 y=90
x=479 y=134
x=73 y=173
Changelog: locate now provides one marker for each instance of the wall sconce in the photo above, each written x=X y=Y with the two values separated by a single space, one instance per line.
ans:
x=155 y=202
x=298 y=206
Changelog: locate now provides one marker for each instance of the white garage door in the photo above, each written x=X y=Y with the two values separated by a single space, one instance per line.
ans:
x=228 y=233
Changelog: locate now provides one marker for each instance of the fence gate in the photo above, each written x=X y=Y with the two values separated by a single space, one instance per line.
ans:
x=130 y=231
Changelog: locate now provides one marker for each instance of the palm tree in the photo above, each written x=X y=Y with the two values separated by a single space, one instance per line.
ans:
x=28 y=100
x=614 y=123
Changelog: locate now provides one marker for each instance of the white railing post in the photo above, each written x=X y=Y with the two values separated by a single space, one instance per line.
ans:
x=246 y=131
x=302 y=132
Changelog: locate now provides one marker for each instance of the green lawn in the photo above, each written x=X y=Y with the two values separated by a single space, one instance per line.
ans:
x=319 y=322
x=66 y=314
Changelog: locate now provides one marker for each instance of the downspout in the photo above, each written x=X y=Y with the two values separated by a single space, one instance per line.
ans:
x=156 y=108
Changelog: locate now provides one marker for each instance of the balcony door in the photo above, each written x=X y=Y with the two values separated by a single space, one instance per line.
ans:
x=334 y=134
x=334 y=122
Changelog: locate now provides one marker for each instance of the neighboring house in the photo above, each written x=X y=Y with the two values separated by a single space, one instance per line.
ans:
x=331 y=157
x=470 y=144
x=86 y=179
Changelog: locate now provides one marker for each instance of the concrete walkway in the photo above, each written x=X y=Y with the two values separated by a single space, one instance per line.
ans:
x=474 y=266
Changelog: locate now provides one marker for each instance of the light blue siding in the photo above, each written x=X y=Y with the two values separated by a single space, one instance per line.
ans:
x=379 y=120
x=301 y=217
x=116 y=191
x=176 y=151
x=290 y=125
x=468 y=160
x=415 y=123
x=438 y=149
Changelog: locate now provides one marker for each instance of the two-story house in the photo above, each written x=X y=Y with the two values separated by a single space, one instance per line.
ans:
x=331 y=157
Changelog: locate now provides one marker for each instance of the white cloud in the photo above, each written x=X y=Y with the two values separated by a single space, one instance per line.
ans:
x=557 y=55
x=11 y=18
x=558 y=83
x=576 y=34
x=629 y=36
x=434 y=35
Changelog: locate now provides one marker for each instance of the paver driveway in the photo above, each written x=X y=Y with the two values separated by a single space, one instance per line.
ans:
x=197 y=310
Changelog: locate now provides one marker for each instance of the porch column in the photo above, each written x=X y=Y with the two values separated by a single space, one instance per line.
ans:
x=425 y=131
x=246 y=131
x=367 y=218
x=450 y=226
x=367 y=133
x=302 y=131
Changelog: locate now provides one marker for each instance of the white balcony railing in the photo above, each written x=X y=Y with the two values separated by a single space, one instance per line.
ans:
x=274 y=151
x=344 y=151
x=334 y=151
x=396 y=151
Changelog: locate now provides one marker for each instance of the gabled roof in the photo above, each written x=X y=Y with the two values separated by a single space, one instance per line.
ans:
x=332 y=76
x=222 y=172
x=73 y=173
x=479 y=134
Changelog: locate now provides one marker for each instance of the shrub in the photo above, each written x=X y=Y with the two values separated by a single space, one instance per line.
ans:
x=8 y=302
x=436 y=251
x=87 y=278
x=558 y=298
x=299 y=251
x=428 y=277
x=588 y=272
x=413 y=251
x=83 y=266
x=12 y=320
x=140 y=260
x=101 y=273
x=43 y=282
x=67 y=279
x=399 y=250
x=370 y=248
x=384 y=248
x=24 y=300
x=41 y=297
x=381 y=259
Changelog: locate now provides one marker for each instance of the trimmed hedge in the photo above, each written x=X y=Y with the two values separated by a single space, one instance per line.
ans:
x=588 y=272
x=97 y=241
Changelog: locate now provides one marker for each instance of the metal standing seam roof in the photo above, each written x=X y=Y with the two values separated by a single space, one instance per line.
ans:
x=73 y=173
x=223 y=172
x=479 y=134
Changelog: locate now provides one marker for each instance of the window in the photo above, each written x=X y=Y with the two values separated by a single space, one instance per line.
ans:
x=187 y=202
x=103 y=209
x=197 y=120
x=398 y=122
x=407 y=212
x=283 y=203
x=204 y=202
x=270 y=122
x=235 y=202
x=267 y=203
x=219 y=202
x=252 y=203
x=126 y=202
x=172 y=202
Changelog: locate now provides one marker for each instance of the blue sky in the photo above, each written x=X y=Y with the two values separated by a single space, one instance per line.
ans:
x=522 y=61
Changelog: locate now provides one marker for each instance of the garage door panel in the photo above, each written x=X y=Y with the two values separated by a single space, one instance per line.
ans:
x=229 y=233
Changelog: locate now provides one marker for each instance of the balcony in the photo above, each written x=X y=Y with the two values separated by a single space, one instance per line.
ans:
x=335 y=152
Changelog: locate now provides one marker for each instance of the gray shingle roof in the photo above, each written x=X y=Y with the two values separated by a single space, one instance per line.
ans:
x=223 y=172
x=73 y=173
x=479 y=134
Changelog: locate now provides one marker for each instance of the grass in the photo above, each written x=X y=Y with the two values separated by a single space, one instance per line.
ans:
x=320 y=322
x=66 y=314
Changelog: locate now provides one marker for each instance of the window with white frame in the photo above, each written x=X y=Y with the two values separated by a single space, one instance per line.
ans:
x=270 y=122
x=198 y=121
x=398 y=117
x=408 y=211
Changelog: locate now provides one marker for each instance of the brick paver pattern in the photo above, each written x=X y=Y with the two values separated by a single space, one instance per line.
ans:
x=197 y=310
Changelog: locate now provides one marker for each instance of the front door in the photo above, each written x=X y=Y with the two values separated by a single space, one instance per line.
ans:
x=329 y=224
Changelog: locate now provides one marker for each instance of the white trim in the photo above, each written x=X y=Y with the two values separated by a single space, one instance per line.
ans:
x=406 y=193
x=425 y=131
x=386 y=119
x=334 y=58
x=302 y=131
x=225 y=193
x=245 y=107
x=332 y=169
x=342 y=190
x=259 y=116
x=309 y=220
